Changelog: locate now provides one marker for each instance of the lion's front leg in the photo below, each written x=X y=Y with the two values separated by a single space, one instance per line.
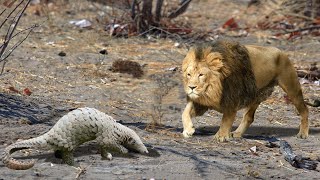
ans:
x=188 y=128
x=224 y=132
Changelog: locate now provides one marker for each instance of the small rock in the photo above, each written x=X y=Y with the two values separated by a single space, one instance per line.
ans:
x=104 y=51
x=62 y=54
x=253 y=150
x=172 y=69
x=34 y=2
x=83 y=23
x=177 y=45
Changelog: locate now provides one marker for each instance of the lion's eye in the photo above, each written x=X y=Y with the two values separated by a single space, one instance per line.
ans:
x=200 y=75
x=188 y=74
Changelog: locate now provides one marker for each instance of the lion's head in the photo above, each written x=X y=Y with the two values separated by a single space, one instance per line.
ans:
x=219 y=75
x=203 y=71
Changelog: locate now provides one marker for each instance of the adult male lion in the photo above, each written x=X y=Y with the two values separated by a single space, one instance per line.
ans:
x=226 y=76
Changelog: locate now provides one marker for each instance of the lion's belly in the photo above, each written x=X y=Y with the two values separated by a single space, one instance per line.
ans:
x=265 y=92
x=262 y=95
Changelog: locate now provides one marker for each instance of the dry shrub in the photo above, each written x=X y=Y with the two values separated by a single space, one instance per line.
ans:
x=127 y=66
x=11 y=12
x=164 y=83
x=290 y=13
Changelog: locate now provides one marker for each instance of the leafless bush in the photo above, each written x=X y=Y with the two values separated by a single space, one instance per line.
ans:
x=144 y=18
x=307 y=8
x=10 y=18
x=164 y=85
x=287 y=19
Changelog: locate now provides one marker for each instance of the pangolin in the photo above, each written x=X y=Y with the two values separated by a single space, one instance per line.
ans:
x=72 y=130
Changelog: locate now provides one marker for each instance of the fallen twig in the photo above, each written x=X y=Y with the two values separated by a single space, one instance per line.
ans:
x=301 y=29
x=180 y=10
x=81 y=170
x=316 y=103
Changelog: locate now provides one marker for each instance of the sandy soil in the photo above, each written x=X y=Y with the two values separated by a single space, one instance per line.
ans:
x=83 y=78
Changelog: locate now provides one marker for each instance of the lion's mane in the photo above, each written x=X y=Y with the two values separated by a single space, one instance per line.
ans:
x=237 y=80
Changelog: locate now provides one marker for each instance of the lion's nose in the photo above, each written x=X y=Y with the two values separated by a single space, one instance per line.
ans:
x=192 y=87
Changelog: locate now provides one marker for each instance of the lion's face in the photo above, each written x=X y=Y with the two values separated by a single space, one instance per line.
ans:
x=196 y=79
x=201 y=73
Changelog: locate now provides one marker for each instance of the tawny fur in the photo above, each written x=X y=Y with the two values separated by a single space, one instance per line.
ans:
x=226 y=76
x=72 y=130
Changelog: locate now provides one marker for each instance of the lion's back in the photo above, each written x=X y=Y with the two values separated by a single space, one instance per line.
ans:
x=266 y=63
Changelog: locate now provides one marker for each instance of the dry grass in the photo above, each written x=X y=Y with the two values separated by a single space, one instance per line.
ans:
x=127 y=66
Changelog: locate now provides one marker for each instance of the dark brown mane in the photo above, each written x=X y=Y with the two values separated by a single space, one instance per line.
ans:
x=239 y=88
x=198 y=50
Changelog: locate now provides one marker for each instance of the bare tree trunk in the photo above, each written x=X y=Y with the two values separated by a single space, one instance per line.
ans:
x=158 y=10
x=146 y=13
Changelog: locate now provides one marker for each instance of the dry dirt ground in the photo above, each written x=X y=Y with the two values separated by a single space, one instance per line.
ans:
x=82 y=78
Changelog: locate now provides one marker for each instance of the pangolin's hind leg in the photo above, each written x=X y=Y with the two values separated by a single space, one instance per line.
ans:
x=58 y=154
x=67 y=157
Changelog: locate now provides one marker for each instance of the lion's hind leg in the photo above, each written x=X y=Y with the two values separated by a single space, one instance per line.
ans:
x=247 y=120
x=288 y=81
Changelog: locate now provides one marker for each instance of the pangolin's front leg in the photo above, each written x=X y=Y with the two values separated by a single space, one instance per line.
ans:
x=105 y=154
x=108 y=147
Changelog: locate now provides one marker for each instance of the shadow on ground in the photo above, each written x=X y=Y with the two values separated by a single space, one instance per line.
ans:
x=252 y=132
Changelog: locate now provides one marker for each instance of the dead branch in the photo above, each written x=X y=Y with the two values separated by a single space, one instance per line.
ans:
x=302 y=29
x=180 y=10
x=296 y=160
x=316 y=103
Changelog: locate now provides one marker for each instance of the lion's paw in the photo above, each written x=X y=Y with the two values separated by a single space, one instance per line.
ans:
x=222 y=138
x=302 y=135
x=235 y=134
x=187 y=133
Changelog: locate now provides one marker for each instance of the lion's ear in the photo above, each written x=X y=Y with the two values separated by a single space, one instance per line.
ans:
x=214 y=60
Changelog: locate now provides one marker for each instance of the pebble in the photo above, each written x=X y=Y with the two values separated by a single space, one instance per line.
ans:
x=104 y=51
x=62 y=54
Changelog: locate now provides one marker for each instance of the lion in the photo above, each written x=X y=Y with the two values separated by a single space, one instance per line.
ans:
x=226 y=76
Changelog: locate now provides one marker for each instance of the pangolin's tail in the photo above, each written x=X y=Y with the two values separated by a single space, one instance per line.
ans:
x=11 y=163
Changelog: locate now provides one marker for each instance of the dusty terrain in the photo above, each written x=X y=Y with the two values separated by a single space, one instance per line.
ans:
x=83 y=78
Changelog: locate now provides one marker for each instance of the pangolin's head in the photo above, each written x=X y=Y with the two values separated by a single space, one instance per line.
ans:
x=134 y=143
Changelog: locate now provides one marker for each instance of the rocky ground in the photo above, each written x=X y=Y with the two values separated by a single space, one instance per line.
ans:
x=83 y=78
